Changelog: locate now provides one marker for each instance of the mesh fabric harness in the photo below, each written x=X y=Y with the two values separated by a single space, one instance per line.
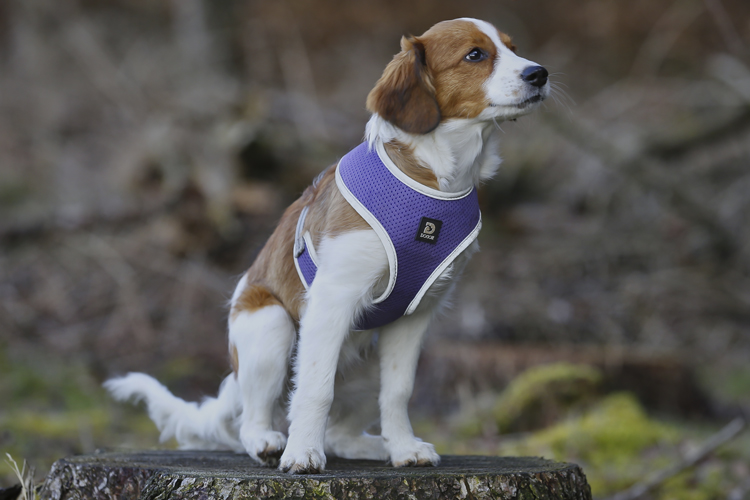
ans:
x=422 y=230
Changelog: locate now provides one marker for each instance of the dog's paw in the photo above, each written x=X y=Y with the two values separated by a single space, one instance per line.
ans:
x=308 y=461
x=415 y=453
x=265 y=446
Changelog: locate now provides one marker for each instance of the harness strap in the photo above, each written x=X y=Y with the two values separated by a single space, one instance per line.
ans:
x=422 y=229
x=305 y=258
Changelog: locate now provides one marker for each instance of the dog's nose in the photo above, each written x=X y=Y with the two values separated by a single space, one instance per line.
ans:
x=535 y=75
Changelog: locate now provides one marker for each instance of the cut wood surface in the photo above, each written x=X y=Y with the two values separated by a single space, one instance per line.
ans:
x=208 y=475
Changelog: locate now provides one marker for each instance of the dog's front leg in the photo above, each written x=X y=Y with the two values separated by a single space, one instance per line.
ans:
x=321 y=337
x=345 y=277
x=399 y=345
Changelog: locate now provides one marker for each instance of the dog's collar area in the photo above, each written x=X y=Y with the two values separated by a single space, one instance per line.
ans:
x=411 y=183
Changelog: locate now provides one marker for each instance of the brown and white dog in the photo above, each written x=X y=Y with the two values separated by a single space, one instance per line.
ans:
x=434 y=111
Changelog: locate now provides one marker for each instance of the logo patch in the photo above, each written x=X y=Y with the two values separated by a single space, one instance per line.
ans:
x=429 y=230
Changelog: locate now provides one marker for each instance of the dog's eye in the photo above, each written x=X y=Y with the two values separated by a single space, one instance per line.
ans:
x=476 y=55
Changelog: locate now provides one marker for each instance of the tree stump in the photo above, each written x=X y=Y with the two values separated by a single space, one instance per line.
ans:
x=160 y=475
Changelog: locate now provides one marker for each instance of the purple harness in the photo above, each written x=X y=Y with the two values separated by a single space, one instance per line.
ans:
x=422 y=229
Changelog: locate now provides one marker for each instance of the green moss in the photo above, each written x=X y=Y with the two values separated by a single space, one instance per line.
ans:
x=13 y=192
x=55 y=408
x=615 y=429
x=177 y=369
x=469 y=426
x=729 y=383
x=708 y=483
x=543 y=394
x=55 y=425
x=609 y=441
x=47 y=383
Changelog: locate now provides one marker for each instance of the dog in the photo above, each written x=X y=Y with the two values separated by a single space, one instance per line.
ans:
x=332 y=314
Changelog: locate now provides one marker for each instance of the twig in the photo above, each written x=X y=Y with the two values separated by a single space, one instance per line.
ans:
x=732 y=38
x=740 y=491
x=103 y=72
x=52 y=226
x=129 y=299
x=733 y=73
x=192 y=36
x=299 y=79
x=663 y=35
x=709 y=136
x=642 y=167
x=731 y=430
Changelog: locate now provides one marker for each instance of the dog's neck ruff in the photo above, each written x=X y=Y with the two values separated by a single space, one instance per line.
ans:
x=422 y=229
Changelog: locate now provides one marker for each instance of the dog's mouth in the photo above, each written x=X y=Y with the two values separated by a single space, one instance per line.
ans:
x=531 y=100
x=523 y=104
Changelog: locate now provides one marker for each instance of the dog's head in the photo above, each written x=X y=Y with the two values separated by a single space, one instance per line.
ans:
x=459 y=69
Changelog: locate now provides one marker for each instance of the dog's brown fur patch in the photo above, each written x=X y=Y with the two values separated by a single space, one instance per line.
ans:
x=252 y=298
x=329 y=214
x=507 y=41
x=405 y=94
x=403 y=156
x=430 y=81
x=459 y=84
x=274 y=266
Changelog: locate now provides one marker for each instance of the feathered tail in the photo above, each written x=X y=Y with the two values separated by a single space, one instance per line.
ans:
x=211 y=425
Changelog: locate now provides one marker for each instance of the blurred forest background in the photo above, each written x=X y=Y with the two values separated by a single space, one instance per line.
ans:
x=147 y=149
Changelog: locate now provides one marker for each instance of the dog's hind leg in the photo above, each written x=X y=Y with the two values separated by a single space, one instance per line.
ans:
x=354 y=411
x=261 y=337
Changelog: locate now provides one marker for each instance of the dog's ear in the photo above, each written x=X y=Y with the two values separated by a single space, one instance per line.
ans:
x=405 y=94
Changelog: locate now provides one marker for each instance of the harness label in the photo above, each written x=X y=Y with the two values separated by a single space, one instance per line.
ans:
x=429 y=230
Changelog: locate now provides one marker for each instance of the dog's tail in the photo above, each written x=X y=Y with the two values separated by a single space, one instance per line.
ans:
x=211 y=425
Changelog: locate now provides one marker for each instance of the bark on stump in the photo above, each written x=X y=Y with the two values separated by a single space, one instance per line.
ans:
x=158 y=475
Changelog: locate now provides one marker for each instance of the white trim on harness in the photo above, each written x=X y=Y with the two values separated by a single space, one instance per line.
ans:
x=390 y=250
x=310 y=248
x=298 y=243
x=443 y=266
x=304 y=241
x=299 y=246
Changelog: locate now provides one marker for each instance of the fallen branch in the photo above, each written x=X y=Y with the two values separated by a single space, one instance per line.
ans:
x=711 y=135
x=726 y=434
x=52 y=226
x=643 y=166
x=740 y=492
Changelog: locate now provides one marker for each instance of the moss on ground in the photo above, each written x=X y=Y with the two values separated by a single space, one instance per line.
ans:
x=612 y=437
x=543 y=394
x=616 y=428
x=54 y=408
x=609 y=439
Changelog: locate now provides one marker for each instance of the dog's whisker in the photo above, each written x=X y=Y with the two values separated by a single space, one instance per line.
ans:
x=561 y=97
x=497 y=125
